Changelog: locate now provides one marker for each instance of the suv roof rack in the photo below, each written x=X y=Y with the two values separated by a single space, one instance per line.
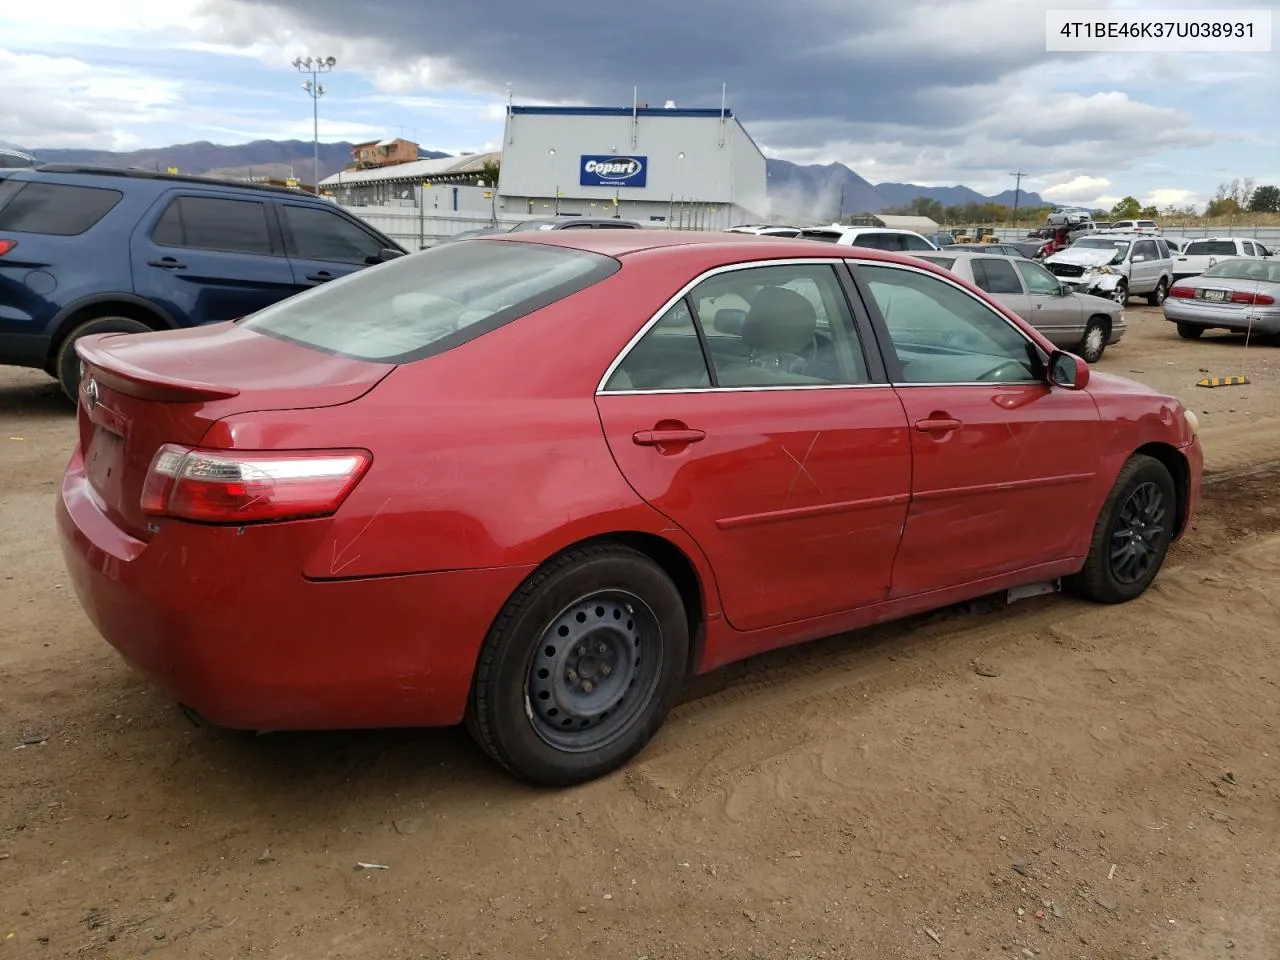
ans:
x=140 y=174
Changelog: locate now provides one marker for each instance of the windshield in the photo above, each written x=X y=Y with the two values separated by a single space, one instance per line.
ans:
x=429 y=302
x=1100 y=243
x=533 y=225
x=1244 y=269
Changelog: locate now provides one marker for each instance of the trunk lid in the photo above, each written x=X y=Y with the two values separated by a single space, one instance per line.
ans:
x=140 y=391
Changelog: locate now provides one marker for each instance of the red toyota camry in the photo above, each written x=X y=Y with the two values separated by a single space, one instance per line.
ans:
x=535 y=482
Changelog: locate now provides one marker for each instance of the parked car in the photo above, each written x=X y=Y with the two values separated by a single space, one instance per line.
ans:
x=87 y=250
x=15 y=160
x=568 y=222
x=1001 y=249
x=468 y=234
x=1202 y=254
x=1176 y=244
x=766 y=230
x=942 y=239
x=1116 y=266
x=874 y=238
x=1070 y=320
x=417 y=525
x=1238 y=294
x=1134 y=226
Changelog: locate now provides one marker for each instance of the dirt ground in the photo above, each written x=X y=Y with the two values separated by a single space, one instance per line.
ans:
x=1112 y=792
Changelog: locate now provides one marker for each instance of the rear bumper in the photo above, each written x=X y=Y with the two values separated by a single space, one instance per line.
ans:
x=1223 y=317
x=223 y=620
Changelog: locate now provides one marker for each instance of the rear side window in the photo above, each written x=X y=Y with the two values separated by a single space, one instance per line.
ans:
x=879 y=241
x=995 y=276
x=324 y=235
x=910 y=242
x=53 y=209
x=1214 y=248
x=211 y=223
x=429 y=302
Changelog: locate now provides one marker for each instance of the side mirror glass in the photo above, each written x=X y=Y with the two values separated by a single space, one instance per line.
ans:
x=1067 y=370
x=729 y=321
x=389 y=253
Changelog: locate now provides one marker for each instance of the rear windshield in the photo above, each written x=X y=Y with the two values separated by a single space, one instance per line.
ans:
x=53 y=209
x=830 y=236
x=1258 y=270
x=429 y=302
x=1210 y=248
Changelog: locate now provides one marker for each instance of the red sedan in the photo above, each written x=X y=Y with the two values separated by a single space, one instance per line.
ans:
x=535 y=482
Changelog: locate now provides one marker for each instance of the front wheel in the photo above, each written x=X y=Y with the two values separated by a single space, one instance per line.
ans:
x=1094 y=341
x=66 y=364
x=581 y=667
x=1131 y=536
x=1121 y=293
x=1157 y=296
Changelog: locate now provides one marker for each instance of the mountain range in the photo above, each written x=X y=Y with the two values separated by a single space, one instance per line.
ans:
x=814 y=191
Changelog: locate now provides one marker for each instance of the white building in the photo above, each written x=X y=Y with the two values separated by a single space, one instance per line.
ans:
x=691 y=167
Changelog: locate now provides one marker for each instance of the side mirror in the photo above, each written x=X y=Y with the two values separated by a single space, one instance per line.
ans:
x=1067 y=370
x=389 y=253
x=729 y=321
x=1064 y=290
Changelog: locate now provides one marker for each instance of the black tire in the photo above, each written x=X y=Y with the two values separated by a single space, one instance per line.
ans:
x=67 y=364
x=1121 y=293
x=1094 y=340
x=524 y=676
x=1157 y=296
x=1189 y=331
x=1144 y=489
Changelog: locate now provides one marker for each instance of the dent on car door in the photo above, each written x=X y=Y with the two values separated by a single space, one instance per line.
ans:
x=1004 y=464
x=324 y=245
x=751 y=416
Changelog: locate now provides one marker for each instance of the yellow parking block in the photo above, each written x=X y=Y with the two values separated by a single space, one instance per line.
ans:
x=1222 y=382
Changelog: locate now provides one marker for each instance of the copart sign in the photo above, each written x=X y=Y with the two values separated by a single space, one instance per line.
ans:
x=606 y=171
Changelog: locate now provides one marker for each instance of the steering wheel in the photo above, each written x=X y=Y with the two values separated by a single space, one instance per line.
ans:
x=999 y=373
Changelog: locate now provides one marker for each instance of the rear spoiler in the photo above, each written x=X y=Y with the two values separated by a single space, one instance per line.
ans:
x=119 y=375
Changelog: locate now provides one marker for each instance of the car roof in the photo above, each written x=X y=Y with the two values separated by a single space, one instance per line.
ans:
x=967 y=254
x=734 y=246
x=131 y=173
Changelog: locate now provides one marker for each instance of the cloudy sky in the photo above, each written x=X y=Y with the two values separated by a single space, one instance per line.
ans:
x=925 y=91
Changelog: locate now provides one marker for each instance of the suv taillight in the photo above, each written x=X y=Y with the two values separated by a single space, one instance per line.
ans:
x=6 y=246
x=223 y=486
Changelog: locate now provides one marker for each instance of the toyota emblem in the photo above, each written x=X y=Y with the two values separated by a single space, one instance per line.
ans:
x=91 y=395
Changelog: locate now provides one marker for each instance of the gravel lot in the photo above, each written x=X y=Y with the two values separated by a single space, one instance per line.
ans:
x=1108 y=786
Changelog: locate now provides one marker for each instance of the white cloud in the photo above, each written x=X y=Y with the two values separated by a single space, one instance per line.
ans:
x=1077 y=190
x=1170 y=197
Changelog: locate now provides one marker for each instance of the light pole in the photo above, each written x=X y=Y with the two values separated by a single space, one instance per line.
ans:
x=1017 y=193
x=555 y=181
x=315 y=90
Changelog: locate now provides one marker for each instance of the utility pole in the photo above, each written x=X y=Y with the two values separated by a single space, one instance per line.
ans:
x=315 y=90
x=1017 y=193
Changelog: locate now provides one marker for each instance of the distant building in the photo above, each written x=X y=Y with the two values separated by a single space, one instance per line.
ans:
x=402 y=184
x=383 y=153
x=923 y=225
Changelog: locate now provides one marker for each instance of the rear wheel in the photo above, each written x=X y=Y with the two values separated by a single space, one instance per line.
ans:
x=1156 y=296
x=1189 y=331
x=1131 y=536
x=1094 y=341
x=581 y=667
x=66 y=365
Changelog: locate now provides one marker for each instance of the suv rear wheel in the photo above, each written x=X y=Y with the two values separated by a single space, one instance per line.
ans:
x=66 y=364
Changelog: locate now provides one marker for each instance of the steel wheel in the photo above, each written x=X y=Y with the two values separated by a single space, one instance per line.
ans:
x=1138 y=534
x=594 y=669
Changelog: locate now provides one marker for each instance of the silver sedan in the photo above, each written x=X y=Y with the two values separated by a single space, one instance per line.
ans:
x=1237 y=295
x=1078 y=322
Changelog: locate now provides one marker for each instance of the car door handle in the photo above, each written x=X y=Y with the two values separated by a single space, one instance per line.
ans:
x=320 y=277
x=660 y=438
x=937 y=425
x=168 y=263
x=1039 y=306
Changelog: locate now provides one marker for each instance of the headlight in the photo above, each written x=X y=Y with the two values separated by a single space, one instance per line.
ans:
x=1193 y=422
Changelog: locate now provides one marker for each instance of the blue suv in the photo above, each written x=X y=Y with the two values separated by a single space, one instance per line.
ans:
x=92 y=250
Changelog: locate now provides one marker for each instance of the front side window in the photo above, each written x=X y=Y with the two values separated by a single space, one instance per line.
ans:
x=1040 y=282
x=211 y=223
x=942 y=334
x=911 y=242
x=426 y=303
x=1145 y=249
x=879 y=241
x=995 y=276
x=324 y=235
x=53 y=209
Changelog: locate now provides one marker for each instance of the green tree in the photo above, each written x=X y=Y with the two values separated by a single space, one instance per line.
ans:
x=1265 y=199
x=489 y=171
x=1127 y=209
x=1150 y=213
x=1222 y=207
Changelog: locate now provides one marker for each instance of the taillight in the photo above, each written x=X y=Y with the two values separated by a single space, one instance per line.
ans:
x=213 y=486
x=6 y=246
x=1252 y=299
x=1182 y=293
